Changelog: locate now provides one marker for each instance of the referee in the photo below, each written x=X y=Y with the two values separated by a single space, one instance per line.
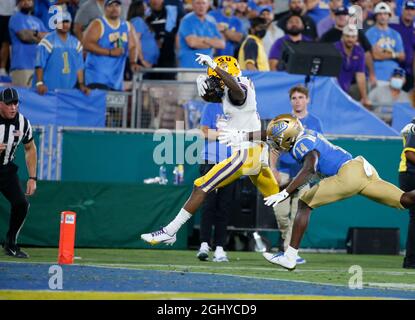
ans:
x=15 y=129
x=407 y=183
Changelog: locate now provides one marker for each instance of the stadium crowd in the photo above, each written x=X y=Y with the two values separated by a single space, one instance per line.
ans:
x=98 y=43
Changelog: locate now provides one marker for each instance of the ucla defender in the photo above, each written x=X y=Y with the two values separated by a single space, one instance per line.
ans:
x=342 y=176
x=248 y=158
x=109 y=40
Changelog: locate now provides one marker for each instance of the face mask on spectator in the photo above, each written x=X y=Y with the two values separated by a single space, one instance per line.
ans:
x=396 y=83
x=26 y=10
x=260 y=33
x=295 y=31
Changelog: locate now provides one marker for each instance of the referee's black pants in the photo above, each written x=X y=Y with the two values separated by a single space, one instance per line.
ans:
x=12 y=191
x=216 y=210
x=407 y=183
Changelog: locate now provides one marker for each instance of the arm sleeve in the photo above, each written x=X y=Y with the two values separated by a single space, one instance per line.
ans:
x=28 y=135
x=42 y=54
x=399 y=45
x=251 y=51
x=79 y=57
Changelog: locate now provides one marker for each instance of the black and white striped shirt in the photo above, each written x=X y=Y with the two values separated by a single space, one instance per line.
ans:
x=12 y=132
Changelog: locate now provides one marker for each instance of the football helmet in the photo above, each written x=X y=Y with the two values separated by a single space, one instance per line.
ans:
x=282 y=131
x=227 y=63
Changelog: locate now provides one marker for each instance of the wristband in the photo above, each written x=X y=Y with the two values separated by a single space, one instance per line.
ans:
x=39 y=83
x=33 y=178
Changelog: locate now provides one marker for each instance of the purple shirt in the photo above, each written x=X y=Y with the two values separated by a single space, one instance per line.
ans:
x=325 y=25
x=352 y=64
x=408 y=38
x=276 y=49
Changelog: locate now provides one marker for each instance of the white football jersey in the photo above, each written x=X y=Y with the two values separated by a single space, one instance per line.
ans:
x=244 y=117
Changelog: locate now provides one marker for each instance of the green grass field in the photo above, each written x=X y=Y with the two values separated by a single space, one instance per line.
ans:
x=378 y=271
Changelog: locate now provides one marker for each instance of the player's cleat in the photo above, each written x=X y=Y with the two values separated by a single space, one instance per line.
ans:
x=280 y=259
x=159 y=236
x=14 y=251
x=301 y=260
x=203 y=254
x=220 y=255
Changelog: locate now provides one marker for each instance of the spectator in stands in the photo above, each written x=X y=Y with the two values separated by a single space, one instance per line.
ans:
x=26 y=31
x=109 y=40
x=59 y=59
x=241 y=12
x=216 y=208
x=198 y=33
x=406 y=29
x=317 y=10
x=164 y=21
x=7 y=8
x=353 y=66
x=87 y=12
x=335 y=34
x=252 y=55
x=150 y=51
x=297 y=7
x=273 y=31
x=294 y=33
x=407 y=181
x=383 y=97
x=328 y=22
x=387 y=46
x=288 y=167
x=230 y=27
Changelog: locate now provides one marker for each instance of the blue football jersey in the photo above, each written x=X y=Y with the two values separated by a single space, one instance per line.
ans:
x=105 y=69
x=331 y=157
x=60 y=60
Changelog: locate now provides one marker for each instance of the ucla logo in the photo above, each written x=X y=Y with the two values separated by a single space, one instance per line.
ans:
x=279 y=128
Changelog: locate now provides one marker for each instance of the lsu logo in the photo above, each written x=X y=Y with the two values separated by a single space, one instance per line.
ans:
x=279 y=128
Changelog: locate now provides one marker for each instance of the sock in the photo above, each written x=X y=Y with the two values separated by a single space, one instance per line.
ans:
x=174 y=226
x=291 y=253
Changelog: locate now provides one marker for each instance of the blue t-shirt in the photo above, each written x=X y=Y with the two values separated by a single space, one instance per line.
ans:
x=318 y=13
x=386 y=39
x=23 y=54
x=149 y=47
x=192 y=25
x=331 y=157
x=105 y=69
x=213 y=151
x=287 y=163
x=60 y=61
x=233 y=23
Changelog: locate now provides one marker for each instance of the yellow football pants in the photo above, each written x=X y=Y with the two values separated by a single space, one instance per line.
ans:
x=246 y=162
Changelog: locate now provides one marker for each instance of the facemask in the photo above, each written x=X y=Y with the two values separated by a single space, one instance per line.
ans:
x=26 y=10
x=295 y=31
x=297 y=11
x=261 y=33
x=396 y=83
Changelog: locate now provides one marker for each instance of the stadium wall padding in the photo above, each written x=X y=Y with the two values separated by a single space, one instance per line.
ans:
x=109 y=215
x=109 y=168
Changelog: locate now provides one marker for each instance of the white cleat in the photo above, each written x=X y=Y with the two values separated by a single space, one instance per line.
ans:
x=157 y=237
x=203 y=253
x=280 y=259
x=220 y=255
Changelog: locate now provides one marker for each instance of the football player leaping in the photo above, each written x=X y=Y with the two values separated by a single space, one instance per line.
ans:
x=342 y=176
x=248 y=158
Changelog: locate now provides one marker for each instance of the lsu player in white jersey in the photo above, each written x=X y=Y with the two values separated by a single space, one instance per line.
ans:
x=249 y=158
